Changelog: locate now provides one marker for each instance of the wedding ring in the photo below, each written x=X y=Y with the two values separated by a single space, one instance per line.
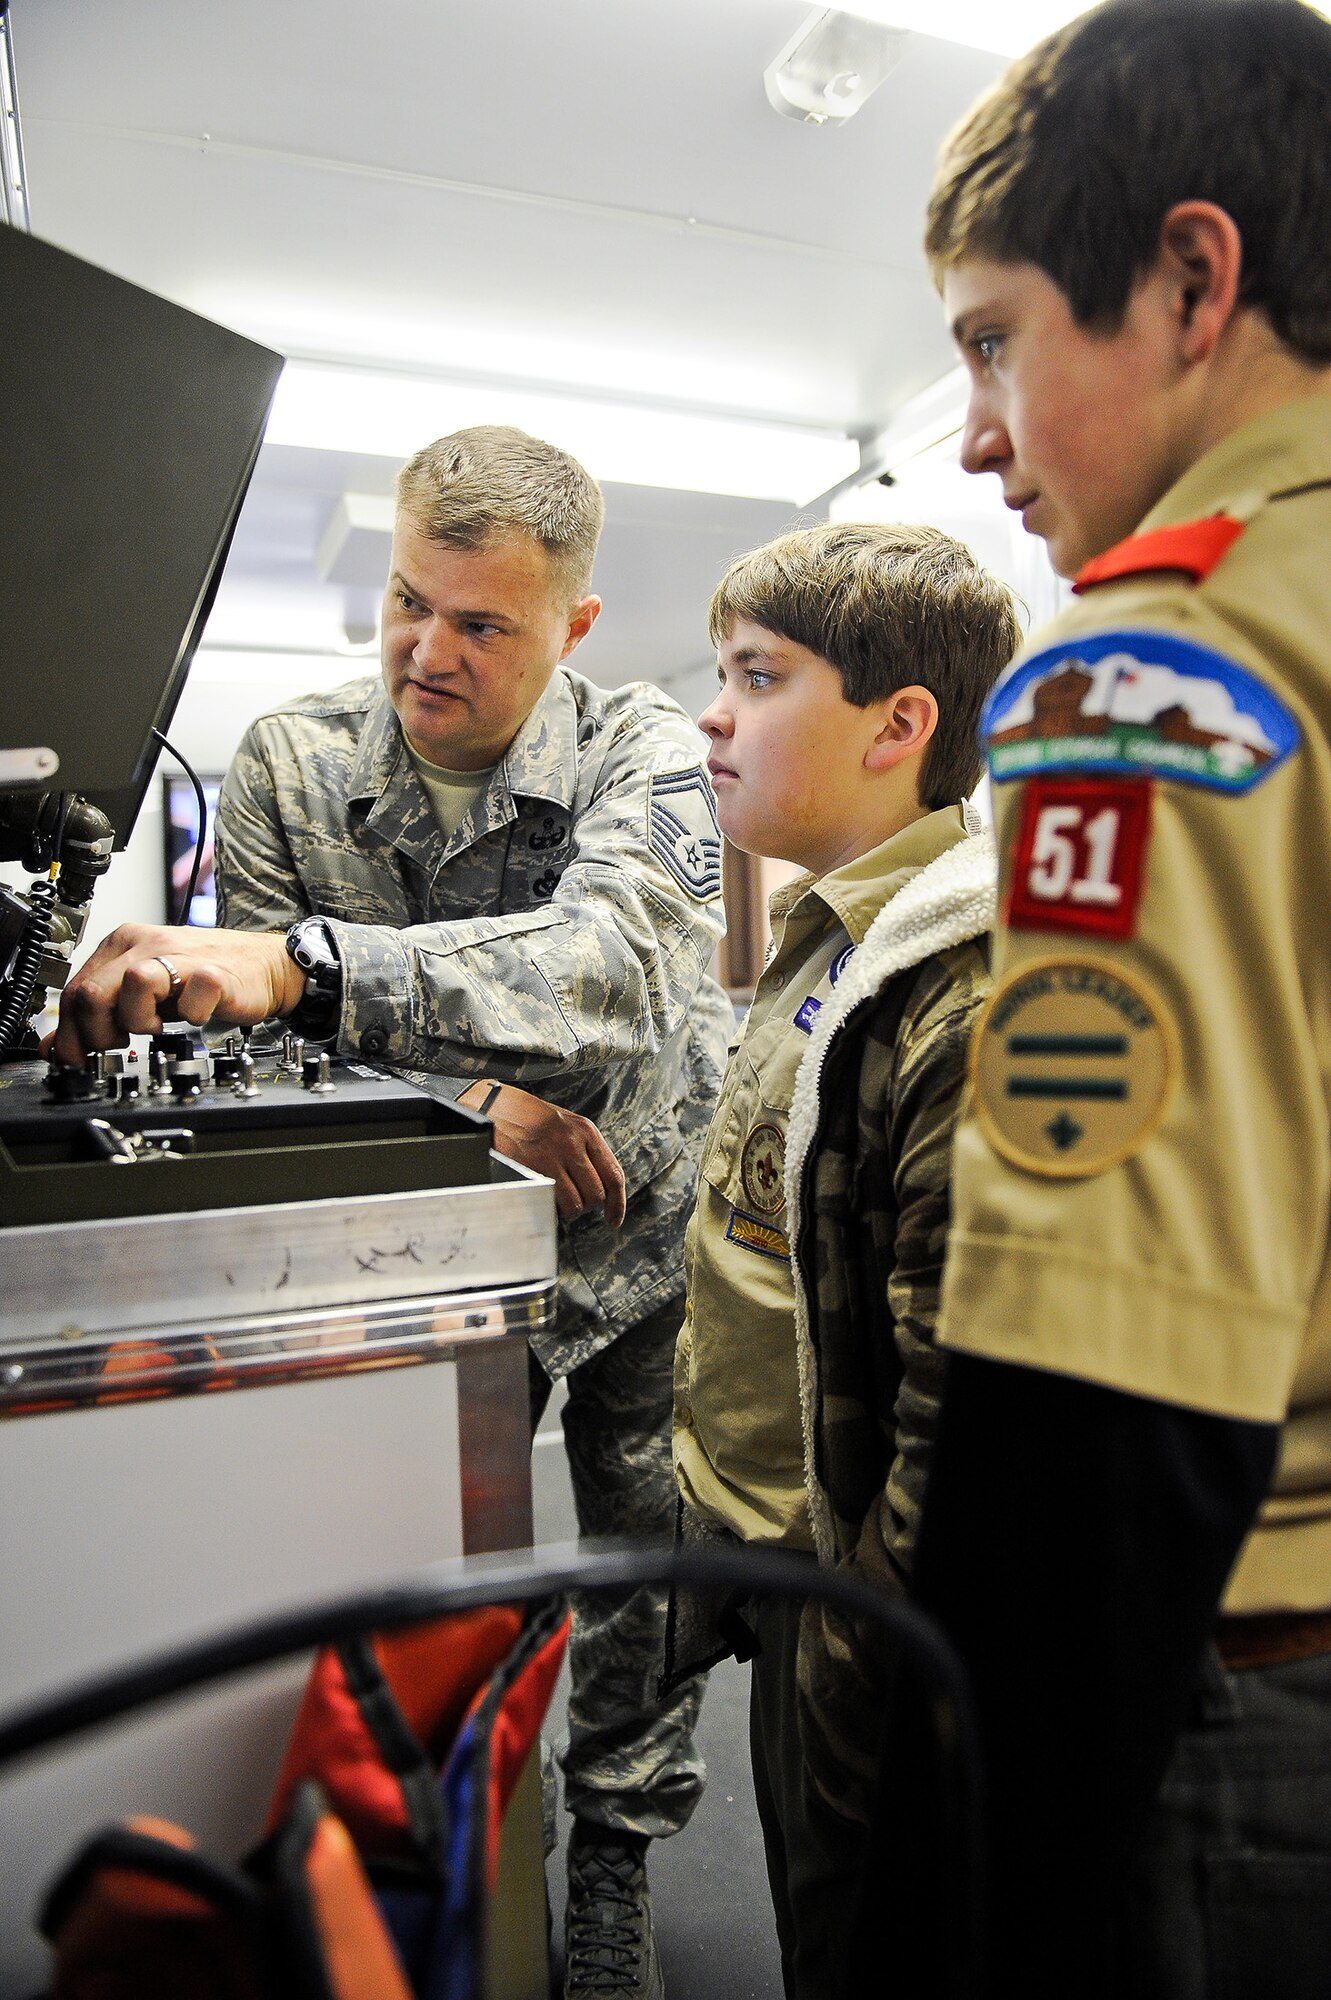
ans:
x=177 y=981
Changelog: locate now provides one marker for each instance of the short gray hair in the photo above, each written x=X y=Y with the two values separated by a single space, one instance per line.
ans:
x=474 y=485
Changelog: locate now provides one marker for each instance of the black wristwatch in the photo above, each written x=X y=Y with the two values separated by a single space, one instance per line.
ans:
x=310 y=945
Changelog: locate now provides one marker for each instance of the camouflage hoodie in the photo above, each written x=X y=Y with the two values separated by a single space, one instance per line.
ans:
x=867 y=1190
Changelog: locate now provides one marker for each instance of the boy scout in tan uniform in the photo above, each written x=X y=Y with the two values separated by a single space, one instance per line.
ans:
x=851 y=761
x=1128 y=1524
x=739 y=1432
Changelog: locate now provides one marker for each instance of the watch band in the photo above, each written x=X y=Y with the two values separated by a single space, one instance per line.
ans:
x=310 y=945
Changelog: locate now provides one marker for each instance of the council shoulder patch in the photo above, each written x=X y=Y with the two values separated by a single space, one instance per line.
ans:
x=1073 y=1065
x=683 y=832
x=1140 y=704
x=840 y=962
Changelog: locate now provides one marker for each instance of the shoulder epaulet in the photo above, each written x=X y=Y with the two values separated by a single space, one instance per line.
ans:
x=1193 y=548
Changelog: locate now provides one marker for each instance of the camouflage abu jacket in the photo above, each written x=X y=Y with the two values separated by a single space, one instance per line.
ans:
x=559 y=940
x=867 y=1188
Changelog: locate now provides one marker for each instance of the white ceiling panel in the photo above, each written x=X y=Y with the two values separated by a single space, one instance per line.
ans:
x=594 y=196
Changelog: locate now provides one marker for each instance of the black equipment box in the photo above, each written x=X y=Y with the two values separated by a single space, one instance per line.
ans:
x=216 y=1128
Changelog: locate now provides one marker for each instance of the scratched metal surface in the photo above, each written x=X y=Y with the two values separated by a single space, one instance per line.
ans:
x=68 y=1280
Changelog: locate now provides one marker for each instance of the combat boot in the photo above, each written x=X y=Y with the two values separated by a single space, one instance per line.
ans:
x=609 y=1945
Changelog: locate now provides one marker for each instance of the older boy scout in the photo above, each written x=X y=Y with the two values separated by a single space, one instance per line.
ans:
x=1128 y=1526
x=495 y=872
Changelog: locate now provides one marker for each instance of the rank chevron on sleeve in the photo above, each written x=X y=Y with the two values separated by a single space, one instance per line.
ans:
x=683 y=832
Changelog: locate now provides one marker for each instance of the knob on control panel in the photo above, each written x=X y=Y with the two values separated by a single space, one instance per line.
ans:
x=69 y=1085
x=315 y=1073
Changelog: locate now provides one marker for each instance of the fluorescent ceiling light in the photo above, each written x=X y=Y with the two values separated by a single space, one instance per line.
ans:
x=391 y=416
x=831 y=66
x=1006 y=29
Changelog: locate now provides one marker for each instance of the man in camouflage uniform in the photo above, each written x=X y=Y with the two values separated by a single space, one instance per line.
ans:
x=507 y=878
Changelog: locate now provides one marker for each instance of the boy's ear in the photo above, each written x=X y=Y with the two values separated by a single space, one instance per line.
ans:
x=909 y=719
x=1199 y=264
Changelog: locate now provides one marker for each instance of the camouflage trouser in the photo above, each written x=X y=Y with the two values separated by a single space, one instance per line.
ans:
x=628 y=1758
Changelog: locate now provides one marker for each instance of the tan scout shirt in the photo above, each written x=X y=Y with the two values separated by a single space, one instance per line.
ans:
x=738 y=1439
x=1190 y=1263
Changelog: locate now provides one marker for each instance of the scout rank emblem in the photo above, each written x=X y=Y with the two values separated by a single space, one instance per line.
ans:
x=1073 y=1065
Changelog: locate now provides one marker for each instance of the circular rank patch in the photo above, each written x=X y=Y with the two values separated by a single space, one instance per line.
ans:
x=1073 y=1065
x=762 y=1168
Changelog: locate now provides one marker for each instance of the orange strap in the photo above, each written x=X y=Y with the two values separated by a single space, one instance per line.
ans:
x=1193 y=548
x=422 y=1682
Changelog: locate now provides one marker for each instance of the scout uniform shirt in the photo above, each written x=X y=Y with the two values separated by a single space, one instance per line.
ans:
x=558 y=938
x=738 y=1432
x=1141 y=1195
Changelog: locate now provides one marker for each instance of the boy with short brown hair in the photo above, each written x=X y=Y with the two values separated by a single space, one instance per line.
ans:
x=853 y=662
x=1131 y=235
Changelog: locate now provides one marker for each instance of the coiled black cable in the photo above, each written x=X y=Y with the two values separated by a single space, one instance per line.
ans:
x=17 y=998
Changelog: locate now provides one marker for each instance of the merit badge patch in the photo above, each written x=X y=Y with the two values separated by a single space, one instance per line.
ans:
x=1073 y=1065
x=1078 y=862
x=682 y=830
x=1142 y=705
x=760 y=1237
x=762 y=1166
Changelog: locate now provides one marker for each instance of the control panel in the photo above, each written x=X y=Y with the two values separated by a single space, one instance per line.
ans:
x=248 y=1119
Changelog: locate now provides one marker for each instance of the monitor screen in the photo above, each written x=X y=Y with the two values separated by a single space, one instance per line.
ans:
x=180 y=822
x=130 y=430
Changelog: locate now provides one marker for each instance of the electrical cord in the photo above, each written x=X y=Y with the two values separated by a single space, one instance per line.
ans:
x=17 y=990
x=187 y=901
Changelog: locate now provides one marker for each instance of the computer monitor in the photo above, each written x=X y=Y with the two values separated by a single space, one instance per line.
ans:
x=130 y=429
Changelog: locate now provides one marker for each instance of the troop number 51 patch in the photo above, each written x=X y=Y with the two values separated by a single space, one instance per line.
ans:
x=1080 y=854
x=1073 y=1066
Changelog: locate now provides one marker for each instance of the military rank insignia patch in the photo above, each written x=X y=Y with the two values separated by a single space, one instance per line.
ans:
x=1141 y=705
x=683 y=832
x=762 y=1169
x=1078 y=861
x=1073 y=1065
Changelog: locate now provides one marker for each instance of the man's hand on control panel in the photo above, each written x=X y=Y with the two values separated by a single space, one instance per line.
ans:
x=145 y=974
x=567 y=1147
